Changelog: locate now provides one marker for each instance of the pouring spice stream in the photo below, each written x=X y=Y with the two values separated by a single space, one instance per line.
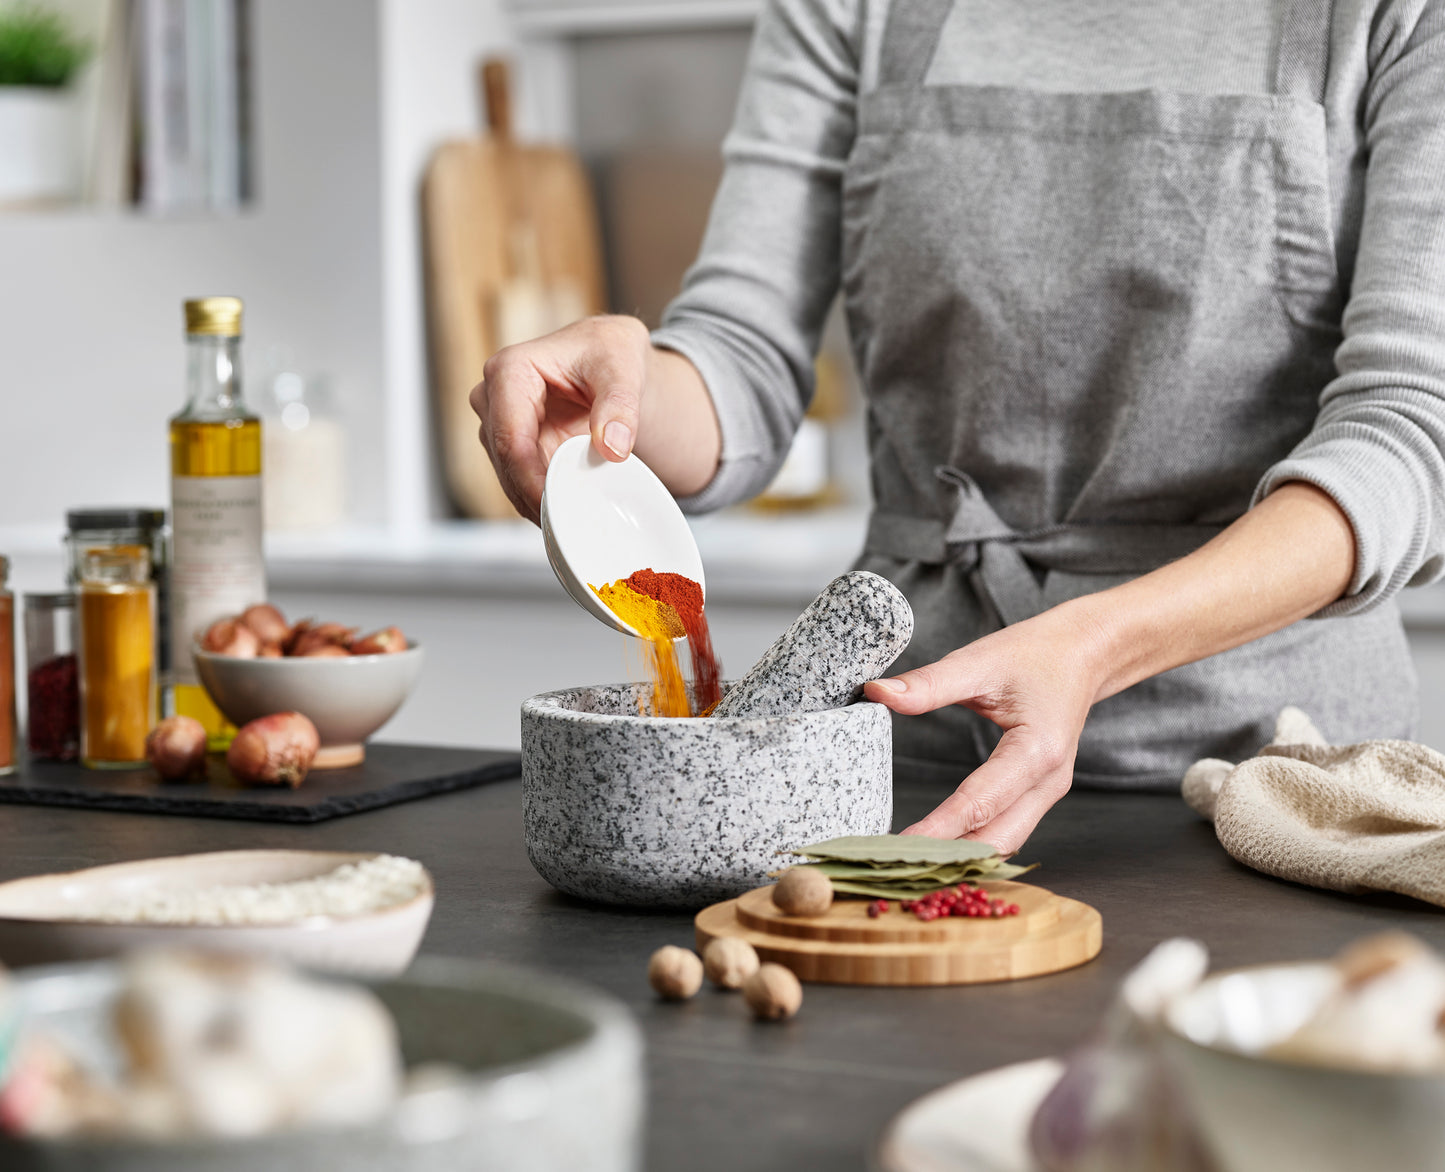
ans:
x=664 y=607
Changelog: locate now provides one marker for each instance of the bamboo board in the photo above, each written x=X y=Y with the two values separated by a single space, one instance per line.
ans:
x=845 y=947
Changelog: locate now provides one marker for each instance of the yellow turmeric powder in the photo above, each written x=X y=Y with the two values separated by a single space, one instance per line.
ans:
x=659 y=624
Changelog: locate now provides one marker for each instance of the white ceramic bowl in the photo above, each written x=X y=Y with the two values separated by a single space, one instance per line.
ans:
x=42 y=918
x=551 y=1081
x=347 y=699
x=603 y=521
x=1262 y=1115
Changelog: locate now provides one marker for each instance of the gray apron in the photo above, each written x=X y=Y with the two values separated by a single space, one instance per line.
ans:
x=1087 y=324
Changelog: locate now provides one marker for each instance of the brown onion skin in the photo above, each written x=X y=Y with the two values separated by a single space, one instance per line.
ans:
x=274 y=750
x=269 y=651
x=176 y=748
x=387 y=641
x=323 y=651
x=268 y=623
x=231 y=637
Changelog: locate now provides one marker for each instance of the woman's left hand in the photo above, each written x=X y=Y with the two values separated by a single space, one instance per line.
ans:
x=1036 y=680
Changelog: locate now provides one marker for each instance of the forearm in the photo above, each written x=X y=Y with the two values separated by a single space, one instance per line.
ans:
x=1283 y=560
x=678 y=434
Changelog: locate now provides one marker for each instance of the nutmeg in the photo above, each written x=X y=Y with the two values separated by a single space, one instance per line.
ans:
x=675 y=973
x=773 y=993
x=803 y=891
x=729 y=961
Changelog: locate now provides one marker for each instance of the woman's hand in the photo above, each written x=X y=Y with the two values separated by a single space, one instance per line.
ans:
x=1036 y=680
x=1287 y=557
x=601 y=376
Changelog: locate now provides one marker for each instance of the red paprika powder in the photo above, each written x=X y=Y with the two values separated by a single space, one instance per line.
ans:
x=685 y=596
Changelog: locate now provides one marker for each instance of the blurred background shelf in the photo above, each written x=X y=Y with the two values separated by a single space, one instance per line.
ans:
x=574 y=17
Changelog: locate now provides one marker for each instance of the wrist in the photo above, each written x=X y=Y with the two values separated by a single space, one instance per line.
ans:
x=1091 y=631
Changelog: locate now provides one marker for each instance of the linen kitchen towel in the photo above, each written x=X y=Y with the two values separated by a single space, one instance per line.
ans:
x=1351 y=818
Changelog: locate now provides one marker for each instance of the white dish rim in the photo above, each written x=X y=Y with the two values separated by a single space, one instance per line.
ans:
x=424 y=897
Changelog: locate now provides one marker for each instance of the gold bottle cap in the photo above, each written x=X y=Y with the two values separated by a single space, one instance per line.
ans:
x=220 y=316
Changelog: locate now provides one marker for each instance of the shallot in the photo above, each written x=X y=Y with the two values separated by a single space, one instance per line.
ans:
x=387 y=641
x=305 y=637
x=322 y=651
x=268 y=623
x=274 y=750
x=176 y=748
x=231 y=637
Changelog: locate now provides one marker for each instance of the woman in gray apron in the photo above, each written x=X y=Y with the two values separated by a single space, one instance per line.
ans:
x=1148 y=302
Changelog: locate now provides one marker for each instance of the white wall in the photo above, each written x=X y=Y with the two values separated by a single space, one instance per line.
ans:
x=91 y=359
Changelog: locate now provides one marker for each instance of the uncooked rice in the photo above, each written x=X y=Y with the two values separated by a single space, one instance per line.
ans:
x=352 y=889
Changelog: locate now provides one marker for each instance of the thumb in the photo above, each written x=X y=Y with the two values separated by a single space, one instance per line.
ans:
x=935 y=685
x=614 y=418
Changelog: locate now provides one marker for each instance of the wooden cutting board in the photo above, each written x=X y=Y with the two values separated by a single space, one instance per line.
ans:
x=846 y=947
x=512 y=252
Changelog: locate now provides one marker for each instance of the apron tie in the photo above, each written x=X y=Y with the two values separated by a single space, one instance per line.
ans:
x=999 y=560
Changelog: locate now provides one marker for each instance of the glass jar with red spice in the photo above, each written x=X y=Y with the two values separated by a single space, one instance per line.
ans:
x=52 y=679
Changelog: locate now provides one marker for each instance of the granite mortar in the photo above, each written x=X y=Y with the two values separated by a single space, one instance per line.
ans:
x=684 y=811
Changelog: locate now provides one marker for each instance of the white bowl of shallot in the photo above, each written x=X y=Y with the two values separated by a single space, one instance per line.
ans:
x=348 y=684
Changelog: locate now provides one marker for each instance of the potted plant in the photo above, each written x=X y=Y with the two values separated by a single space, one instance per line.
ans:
x=39 y=126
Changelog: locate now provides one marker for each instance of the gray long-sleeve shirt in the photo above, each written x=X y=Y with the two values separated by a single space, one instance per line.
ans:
x=752 y=308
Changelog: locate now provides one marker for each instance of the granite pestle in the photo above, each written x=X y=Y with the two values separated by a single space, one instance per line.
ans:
x=849 y=634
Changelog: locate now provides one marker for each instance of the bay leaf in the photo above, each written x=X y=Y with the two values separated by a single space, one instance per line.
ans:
x=883 y=873
x=898 y=848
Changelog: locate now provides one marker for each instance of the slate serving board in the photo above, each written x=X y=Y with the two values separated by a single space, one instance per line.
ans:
x=390 y=774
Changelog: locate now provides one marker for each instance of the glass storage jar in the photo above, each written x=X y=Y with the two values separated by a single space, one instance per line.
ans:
x=52 y=680
x=117 y=656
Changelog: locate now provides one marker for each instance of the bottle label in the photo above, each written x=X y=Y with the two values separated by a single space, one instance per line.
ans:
x=217 y=567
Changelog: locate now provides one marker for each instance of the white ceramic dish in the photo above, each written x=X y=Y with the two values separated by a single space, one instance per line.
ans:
x=347 y=699
x=603 y=521
x=978 y=1124
x=551 y=1081
x=377 y=944
x=1261 y=1115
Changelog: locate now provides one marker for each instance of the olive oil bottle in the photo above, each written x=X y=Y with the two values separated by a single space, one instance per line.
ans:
x=216 y=566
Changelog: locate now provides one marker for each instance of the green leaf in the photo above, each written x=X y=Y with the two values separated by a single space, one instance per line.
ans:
x=898 y=848
x=883 y=873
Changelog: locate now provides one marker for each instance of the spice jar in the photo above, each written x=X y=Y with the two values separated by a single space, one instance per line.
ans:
x=117 y=656
x=106 y=528
x=7 y=670
x=52 y=677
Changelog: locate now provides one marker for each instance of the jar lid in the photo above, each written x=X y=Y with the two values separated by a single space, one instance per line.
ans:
x=218 y=316
x=116 y=565
x=123 y=517
x=60 y=601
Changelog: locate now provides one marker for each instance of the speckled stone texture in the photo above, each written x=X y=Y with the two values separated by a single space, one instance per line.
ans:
x=848 y=635
x=683 y=812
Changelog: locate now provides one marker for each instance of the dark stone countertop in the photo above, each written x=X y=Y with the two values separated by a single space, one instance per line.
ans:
x=815 y=1092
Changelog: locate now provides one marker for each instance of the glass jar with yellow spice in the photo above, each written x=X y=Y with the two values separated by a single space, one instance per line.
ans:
x=117 y=656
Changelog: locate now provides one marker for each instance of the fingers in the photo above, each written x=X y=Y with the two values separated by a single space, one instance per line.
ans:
x=509 y=401
x=586 y=377
x=1006 y=795
x=954 y=679
x=615 y=372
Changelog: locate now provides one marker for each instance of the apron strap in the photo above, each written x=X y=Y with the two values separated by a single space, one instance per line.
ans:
x=910 y=39
x=1000 y=560
x=1302 y=57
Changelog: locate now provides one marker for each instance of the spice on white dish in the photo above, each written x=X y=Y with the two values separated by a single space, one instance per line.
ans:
x=352 y=889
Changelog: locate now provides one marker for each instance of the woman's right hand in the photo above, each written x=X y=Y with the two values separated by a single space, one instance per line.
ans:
x=602 y=376
x=587 y=377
